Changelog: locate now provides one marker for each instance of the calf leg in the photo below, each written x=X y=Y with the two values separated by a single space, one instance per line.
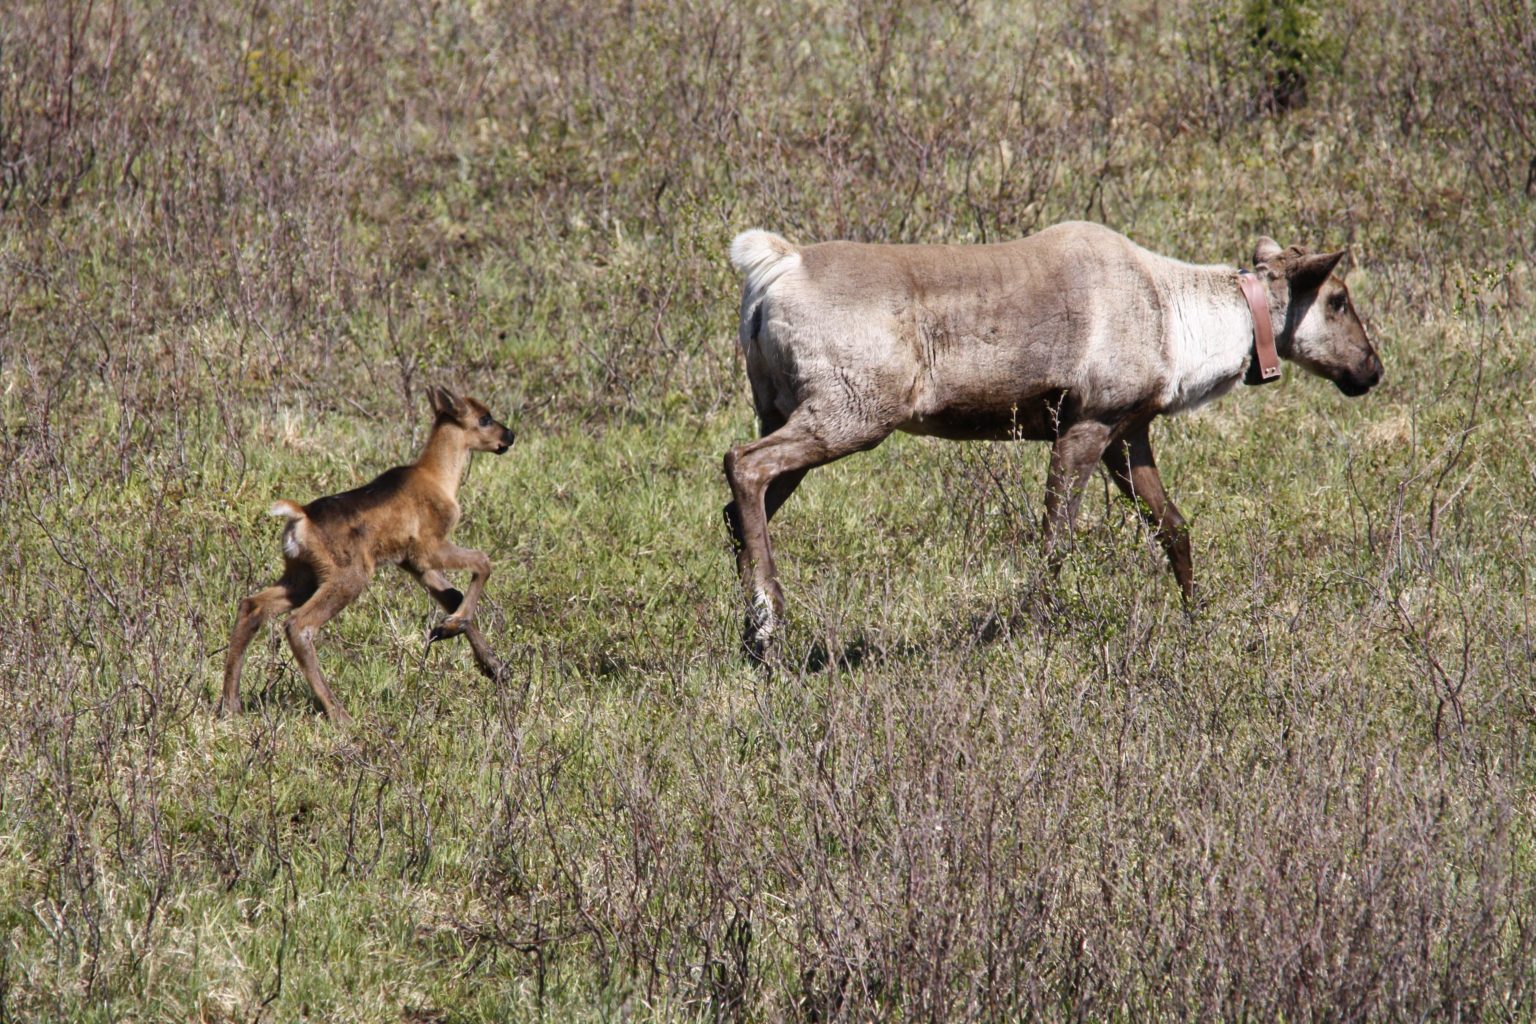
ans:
x=449 y=599
x=783 y=458
x=1134 y=471
x=1073 y=455
x=294 y=588
x=332 y=596
x=449 y=556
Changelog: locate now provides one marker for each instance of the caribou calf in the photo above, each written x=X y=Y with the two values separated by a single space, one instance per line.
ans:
x=1075 y=335
x=332 y=545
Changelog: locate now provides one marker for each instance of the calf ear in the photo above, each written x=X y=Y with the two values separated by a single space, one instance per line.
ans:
x=1307 y=273
x=1265 y=250
x=445 y=402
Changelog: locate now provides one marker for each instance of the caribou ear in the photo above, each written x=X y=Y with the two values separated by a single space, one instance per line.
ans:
x=1265 y=250
x=1307 y=273
x=445 y=402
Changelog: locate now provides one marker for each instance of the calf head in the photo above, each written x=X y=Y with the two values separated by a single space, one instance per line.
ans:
x=1321 y=331
x=481 y=431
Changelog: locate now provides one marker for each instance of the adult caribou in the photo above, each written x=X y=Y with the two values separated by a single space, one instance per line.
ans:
x=1075 y=335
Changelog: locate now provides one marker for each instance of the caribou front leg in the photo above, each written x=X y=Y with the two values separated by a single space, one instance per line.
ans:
x=1134 y=471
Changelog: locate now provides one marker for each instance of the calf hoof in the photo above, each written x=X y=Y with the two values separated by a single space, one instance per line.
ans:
x=229 y=707
x=496 y=672
x=448 y=629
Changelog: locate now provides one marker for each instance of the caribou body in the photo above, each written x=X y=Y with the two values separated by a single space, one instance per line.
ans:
x=1074 y=335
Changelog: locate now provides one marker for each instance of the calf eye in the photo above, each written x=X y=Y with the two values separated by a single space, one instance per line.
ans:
x=1336 y=302
x=485 y=420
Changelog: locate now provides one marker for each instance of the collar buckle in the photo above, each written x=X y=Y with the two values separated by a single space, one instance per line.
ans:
x=1264 y=367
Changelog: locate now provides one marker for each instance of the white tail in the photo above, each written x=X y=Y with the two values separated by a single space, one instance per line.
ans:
x=754 y=252
x=285 y=510
x=762 y=257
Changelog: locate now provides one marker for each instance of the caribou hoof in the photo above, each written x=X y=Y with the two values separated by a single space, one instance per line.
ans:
x=761 y=626
x=755 y=646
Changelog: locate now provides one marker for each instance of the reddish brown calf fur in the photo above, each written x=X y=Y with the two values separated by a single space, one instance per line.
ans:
x=332 y=545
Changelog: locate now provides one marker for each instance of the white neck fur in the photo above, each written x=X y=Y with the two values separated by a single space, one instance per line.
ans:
x=1209 y=338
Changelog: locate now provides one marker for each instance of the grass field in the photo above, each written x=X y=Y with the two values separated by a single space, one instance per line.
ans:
x=235 y=247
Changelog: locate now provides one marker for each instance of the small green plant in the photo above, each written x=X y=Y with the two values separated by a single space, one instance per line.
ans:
x=1286 y=41
x=272 y=76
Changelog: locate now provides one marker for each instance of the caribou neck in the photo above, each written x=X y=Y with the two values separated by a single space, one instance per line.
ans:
x=1209 y=337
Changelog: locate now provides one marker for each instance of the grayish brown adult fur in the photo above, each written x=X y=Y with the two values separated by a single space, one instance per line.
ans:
x=1075 y=335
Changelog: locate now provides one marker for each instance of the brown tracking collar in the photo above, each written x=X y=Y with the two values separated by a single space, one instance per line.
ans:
x=1265 y=365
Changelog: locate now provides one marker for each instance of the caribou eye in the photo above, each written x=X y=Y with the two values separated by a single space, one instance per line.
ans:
x=1336 y=302
x=485 y=420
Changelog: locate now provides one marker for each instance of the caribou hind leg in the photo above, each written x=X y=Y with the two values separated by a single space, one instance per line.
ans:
x=1073 y=455
x=778 y=492
x=762 y=474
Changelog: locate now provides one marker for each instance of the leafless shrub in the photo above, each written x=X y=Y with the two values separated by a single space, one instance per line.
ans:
x=1311 y=803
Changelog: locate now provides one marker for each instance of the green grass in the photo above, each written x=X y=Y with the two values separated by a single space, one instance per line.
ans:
x=961 y=794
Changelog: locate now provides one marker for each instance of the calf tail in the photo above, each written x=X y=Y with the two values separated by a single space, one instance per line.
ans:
x=762 y=257
x=294 y=533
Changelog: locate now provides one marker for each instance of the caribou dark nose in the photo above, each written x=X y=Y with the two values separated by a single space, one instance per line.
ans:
x=1374 y=371
x=1356 y=384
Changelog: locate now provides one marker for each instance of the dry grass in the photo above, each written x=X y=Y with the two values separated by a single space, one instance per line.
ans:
x=236 y=244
